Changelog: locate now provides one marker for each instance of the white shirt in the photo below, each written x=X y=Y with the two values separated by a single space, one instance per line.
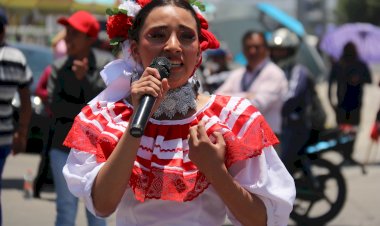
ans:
x=269 y=90
x=264 y=176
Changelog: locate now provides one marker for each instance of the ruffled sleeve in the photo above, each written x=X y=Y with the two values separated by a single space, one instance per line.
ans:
x=251 y=158
x=80 y=172
x=98 y=128
x=244 y=129
x=267 y=177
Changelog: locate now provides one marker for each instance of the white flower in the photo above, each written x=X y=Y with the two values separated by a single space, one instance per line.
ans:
x=197 y=10
x=132 y=7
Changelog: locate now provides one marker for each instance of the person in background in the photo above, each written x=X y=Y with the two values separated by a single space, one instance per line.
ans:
x=216 y=68
x=15 y=77
x=375 y=130
x=296 y=123
x=58 y=46
x=74 y=81
x=200 y=158
x=350 y=74
x=261 y=81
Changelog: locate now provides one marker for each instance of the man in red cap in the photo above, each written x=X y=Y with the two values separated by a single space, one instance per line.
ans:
x=74 y=81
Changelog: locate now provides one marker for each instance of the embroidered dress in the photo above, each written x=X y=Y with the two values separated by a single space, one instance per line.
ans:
x=163 y=172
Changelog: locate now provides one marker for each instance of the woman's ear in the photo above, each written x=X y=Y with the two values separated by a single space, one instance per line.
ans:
x=134 y=52
x=199 y=56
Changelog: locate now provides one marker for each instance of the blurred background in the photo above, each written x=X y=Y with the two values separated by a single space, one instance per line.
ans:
x=34 y=21
x=32 y=27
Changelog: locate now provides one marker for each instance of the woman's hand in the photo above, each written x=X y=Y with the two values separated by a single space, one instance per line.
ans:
x=206 y=155
x=209 y=157
x=150 y=84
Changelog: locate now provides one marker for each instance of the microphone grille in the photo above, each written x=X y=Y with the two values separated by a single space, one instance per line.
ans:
x=162 y=64
x=162 y=61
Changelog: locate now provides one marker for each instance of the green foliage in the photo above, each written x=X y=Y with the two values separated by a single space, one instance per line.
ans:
x=349 y=11
x=114 y=11
x=116 y=49
x=199 y=4
x=116 y=41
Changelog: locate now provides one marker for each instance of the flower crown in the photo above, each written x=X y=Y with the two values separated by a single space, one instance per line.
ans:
x=120 y=20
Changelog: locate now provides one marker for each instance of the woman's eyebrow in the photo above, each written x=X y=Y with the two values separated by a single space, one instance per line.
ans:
x=185 y=27
x=181 y=26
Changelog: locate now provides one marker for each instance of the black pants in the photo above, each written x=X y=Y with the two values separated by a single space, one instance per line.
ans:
x=43 y=173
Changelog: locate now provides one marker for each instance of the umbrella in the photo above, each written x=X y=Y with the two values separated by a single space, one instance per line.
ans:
x=307 y=53
x=281 y=17
x=365 y=36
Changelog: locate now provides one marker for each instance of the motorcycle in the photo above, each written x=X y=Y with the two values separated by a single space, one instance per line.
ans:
x=320 y=185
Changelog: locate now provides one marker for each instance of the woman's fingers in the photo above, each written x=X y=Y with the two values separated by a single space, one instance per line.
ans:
x=165 y=86
x=219 y=139
x=151 y=71
x=202 y=130
x=193 y=136
x=141 y=86
x=149 y=84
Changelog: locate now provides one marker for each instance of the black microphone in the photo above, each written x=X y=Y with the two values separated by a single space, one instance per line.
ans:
x=141 y=116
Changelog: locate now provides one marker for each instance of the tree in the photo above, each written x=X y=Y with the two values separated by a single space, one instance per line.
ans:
x=367 y=11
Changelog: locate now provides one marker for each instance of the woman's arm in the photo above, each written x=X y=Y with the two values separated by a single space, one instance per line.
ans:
x=247 y=208
x=113 y=177
x=116 y=172
x=209 y=158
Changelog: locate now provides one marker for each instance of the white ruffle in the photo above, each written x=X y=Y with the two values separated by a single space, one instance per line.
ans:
x=117 y=77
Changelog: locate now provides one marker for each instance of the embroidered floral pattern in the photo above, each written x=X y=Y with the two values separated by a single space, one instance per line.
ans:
x=179 y=100
x=162 y=169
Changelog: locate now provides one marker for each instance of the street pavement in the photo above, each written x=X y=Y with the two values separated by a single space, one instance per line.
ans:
x=361 y=208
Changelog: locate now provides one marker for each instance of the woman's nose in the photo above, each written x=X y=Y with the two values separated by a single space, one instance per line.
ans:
x=173 y=44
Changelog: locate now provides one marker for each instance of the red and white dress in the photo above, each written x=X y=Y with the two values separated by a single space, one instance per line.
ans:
x=165 y=187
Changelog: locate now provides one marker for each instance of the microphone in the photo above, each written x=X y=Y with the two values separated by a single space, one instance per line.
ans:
x=141 y=116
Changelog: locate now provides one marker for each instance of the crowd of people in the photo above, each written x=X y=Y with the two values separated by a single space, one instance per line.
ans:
x=221 y=140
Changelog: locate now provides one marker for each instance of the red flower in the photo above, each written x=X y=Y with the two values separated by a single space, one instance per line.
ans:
x=142 y=3
x=118 y=26
x=207 y=39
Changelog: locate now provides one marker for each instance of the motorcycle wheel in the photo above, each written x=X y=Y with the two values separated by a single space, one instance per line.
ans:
x=321 y=196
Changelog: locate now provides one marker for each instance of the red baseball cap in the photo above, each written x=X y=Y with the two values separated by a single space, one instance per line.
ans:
x=83 y=22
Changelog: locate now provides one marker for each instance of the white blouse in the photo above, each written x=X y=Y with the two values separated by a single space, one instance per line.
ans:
x=264 y=176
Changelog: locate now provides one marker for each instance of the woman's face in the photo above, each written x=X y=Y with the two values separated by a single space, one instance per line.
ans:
x=171 y=32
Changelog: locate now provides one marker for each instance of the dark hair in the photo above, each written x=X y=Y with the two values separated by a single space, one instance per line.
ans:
x=249 y=33
x=349 y=52
x=140 y=18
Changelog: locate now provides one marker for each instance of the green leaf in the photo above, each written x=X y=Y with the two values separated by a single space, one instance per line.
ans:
x=116 y=41
x=116 y=49
x=123 y=11
x=115 y=11
x=109 y=12
x=198 y=4
x=201 y=6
